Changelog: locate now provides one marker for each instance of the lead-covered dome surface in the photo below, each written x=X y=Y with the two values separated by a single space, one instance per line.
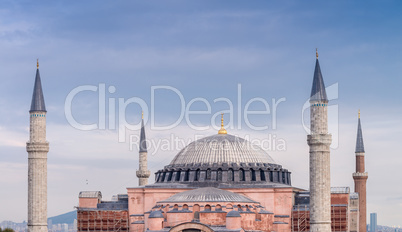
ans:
x=207 y=195
x=221 y=148
x=221 y=161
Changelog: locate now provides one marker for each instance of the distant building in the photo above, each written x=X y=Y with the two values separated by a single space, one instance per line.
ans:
x=373 y=222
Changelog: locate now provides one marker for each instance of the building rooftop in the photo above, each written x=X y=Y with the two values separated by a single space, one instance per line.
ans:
x=207 y=194
x=221 y=148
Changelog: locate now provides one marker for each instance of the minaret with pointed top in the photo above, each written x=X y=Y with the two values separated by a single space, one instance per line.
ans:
x=37 y=148
x=143 y=173
x=360 y=177
x=319 y=142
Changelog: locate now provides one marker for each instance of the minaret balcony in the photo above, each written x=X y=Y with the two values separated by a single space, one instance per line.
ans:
x=360 y=174
x=143 y=173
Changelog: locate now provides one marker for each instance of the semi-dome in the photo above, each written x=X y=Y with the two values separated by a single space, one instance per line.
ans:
x=219 y=149
x=221 y=160
x=208 y=194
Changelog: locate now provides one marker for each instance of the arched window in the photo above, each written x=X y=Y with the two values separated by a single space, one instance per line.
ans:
x=262 y=175
x=187 y=175
x=208 y=174
x=252 y=175
x=197 y=175
x=170 y=176
x=218 y=208
x=178 y=175
x=219 y=175
x=185 y=207
x=230 y=175
x=242 y=176
x=229 y=206
x=207 y=208
x=196 y=209
x=284 y=177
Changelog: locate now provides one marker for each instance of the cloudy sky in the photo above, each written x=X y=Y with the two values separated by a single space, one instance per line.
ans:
x=99 y=59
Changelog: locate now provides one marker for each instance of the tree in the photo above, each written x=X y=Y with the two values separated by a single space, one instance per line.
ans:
x=8 y=230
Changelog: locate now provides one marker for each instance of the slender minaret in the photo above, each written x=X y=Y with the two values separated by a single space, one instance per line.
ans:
x=319 y=141
x=37 y=149
x=360 y=177
x=143 y=173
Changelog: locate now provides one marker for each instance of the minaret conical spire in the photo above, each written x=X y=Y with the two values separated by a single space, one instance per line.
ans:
x=318 y=92
x=38 y=101
x=143 y=139
x=37 y=148
x=359 y=139
x=319 y=141
x=360 y=178
x=143 y=173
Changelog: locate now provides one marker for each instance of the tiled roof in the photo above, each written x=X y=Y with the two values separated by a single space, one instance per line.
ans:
x=207 y=194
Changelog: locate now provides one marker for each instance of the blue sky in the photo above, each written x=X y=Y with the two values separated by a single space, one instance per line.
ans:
x=203 y=49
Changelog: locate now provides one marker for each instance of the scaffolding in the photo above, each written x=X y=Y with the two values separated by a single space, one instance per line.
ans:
x=339 y=217
x=102 y=220
x=301 y=218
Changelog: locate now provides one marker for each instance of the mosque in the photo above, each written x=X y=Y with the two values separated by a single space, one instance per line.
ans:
x=225 y=183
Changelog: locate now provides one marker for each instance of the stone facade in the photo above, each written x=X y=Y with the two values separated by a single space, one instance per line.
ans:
x=320 y=184
x=37 y=149
x=143 y=173
x=354 y=213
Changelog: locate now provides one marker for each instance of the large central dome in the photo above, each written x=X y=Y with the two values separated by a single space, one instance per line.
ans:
x=221 y=161
x=219 y=149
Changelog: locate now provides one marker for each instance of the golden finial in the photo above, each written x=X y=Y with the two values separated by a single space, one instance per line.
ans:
x=316 y=53
x=142 y=114
x=359 y=113
x=37 y=63
x=222 y=130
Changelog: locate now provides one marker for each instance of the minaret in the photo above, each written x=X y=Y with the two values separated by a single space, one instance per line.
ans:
x=360 y=177
x=319 y=141
x=37 y=148
x=143 y=173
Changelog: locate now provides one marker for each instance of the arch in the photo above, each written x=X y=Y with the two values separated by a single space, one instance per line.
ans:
x=253 y=178
x=219 y=174
x=239 y=208
x=262 y=175
x=242 y=175
x=229 y=206
x=230 y=175
x=208 y=177
x=178 y=175
x=196 y=210
x=185 y=207
x=218 y=207
x=170 y=176
x=207 y=208
x=197 y=175
x=284 y=177
x=176 y=207
x=191 y=227
x=187 y=175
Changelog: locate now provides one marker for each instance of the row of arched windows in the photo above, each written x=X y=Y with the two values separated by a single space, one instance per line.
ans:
x=264 y=176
